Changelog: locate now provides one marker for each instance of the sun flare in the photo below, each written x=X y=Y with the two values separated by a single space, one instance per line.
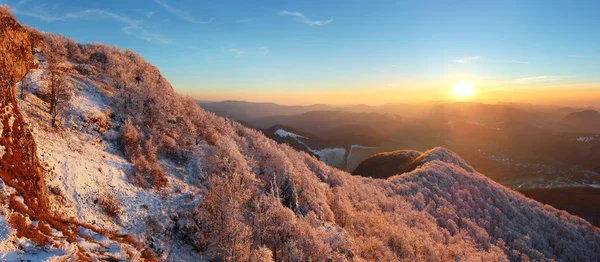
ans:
x=462 y=89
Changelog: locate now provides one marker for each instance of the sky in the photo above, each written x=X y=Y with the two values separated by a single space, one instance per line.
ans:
x=351 y=51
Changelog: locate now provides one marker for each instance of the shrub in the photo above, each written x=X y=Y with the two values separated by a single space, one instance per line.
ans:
x=110 y=205
x=261 y=254
x=128 y=139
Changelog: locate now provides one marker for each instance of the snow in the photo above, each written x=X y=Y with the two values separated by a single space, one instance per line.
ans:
x=330 y=156
x=20 y=200
x=11 y=121
x=85 y=165
x=3 y=229
x=283 y=133
x=585 y=139
x=13 y=248
x=361 y=147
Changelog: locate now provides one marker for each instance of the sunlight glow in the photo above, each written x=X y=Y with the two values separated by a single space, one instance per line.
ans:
x=462 y=89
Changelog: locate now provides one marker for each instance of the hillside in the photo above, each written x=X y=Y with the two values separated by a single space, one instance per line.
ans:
x=387 y=164
x=245 y=111
x=587 y=121
x=135 y=171
x=580 y=201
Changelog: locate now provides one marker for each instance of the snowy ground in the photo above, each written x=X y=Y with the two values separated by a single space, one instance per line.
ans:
x=83 y=164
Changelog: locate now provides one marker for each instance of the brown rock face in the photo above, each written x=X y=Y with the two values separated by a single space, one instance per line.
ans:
x=19 y=166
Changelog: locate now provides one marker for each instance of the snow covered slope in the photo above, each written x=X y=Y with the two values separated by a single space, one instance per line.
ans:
x=85 y=167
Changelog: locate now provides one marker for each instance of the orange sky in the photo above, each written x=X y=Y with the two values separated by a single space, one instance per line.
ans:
x=568 y=95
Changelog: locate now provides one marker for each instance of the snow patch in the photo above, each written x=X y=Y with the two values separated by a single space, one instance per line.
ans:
x=330 y=156
x=283 y=133
x=11 y=121
x=585 y=139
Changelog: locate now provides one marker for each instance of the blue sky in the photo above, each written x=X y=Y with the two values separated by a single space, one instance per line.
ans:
x=352 y=51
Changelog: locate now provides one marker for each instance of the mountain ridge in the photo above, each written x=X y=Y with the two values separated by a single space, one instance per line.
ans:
x=144 y=162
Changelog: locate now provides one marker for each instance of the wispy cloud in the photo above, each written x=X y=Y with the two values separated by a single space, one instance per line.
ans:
x=468 y=59
x=304 y=19
x=580 y=56
x=183 y=15
x=263 y=50
x=150 y=14
x=245 y=20
x=132 y=27
x=516 y=62
x=541 y=79
x=236 y=52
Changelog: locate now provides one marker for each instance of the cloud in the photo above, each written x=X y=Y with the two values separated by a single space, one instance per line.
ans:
x=132 y=27
x=468 y=59
x=150 y=14
x=580 y=56
x=245 y=20
x=305 y=19
x=263 y=50
x=541 y=79
x=236 y=52
x=183 y=15
x=516 y=62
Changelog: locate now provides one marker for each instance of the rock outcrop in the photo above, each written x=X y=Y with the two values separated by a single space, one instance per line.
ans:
x=19 y=166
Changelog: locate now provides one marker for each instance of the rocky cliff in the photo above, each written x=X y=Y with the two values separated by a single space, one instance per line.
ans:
x=19 y=166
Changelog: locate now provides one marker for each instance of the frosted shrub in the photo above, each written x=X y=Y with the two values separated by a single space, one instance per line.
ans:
x=147 y=172
x=110 y=205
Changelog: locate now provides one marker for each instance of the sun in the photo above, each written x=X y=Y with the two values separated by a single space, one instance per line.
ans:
x=462 y=89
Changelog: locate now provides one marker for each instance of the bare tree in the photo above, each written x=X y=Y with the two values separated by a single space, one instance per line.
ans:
x=59 y=95
x=25 y=85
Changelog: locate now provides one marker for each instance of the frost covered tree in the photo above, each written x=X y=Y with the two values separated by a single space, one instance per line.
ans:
x=59 y=96
x=224 y=208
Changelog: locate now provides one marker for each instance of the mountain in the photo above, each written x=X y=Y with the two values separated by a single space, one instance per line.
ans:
x=553 y=112
x=249 y=111
x=338 y=127
x=132 y=171
x=484 y=114
x=241 y=110
x=587 y=121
